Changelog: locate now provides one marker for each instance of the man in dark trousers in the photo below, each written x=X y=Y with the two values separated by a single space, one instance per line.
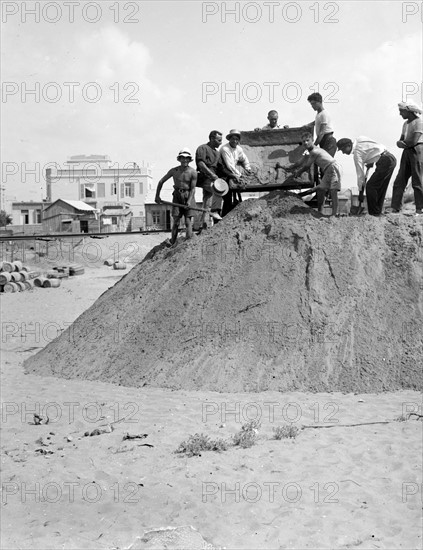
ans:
x=367 y=152
x=206 y=158
x=411 y=142
x=323 y=125
x=231 y=158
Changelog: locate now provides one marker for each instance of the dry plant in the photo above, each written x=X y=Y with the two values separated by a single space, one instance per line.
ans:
x=248 y=434
x=198 y=443
x=287 y=431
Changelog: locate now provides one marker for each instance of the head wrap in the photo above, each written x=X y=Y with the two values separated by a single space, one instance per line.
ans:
x=409 y=106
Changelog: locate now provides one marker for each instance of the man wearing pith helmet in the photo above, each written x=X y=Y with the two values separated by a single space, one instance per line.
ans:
x=184 y=180
x=231 y=158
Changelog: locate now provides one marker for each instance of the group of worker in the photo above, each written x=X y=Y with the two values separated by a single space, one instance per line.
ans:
x=220 y=176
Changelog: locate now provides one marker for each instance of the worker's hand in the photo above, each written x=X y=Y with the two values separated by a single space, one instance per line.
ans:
x=286 y=126
x=401 y=145
x=361 y=194
x=158 y=200
x=257 y=129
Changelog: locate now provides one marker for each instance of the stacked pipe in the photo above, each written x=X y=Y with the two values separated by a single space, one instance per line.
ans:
x=15 y=277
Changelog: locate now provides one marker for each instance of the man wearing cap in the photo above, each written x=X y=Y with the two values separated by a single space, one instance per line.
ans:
x=272 y=117
x=206 y=158
x=184 y=181
x=231 y=156
x=367 y=152
x=411 y=165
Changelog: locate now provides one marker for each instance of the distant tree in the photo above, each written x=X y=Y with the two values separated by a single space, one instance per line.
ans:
x=5 y=219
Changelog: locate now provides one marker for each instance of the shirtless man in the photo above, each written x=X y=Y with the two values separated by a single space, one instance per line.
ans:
x=184 y=181
x=331 y=180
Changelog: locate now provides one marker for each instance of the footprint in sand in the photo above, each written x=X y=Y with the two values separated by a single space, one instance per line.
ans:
x=185 y=537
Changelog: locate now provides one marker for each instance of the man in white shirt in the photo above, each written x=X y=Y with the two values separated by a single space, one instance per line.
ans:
x=411 y=141
x=231 y=156
x=366 y=153
x=323 y=124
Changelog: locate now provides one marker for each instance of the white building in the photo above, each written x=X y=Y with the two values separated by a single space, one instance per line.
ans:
x=101 y=184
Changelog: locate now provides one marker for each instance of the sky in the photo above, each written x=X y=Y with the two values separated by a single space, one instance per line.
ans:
x=138 y=81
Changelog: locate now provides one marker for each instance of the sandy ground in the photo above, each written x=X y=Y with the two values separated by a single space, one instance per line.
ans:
x=330 y=487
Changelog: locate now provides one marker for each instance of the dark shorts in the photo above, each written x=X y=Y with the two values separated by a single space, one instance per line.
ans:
x=181 y=197
x=328 y=143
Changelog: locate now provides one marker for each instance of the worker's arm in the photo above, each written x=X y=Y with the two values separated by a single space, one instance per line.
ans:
x=228 y=163
x=193 y=183
x=321 y=133
x=300 y=166
x=202 y=166
x=160 y=185
x=304 y=166
x=243 y=160
x=359 y=168
x=412 y=140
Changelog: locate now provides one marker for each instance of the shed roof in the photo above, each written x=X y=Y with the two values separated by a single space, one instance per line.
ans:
x=78 y=205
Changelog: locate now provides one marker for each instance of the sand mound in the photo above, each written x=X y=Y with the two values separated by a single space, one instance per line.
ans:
x=274 y=297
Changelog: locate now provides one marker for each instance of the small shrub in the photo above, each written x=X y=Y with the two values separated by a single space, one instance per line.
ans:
x=287 y=431
x=248 y=434
x=198 y=443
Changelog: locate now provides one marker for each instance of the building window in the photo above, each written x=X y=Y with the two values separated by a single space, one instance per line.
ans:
x=156 y=216
x=129 y=189
x=87 y=191
x=101 y=191
x=113 y=189
x=140 y=188
x=114 y=220
x=37 y=216
x=25 y=216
